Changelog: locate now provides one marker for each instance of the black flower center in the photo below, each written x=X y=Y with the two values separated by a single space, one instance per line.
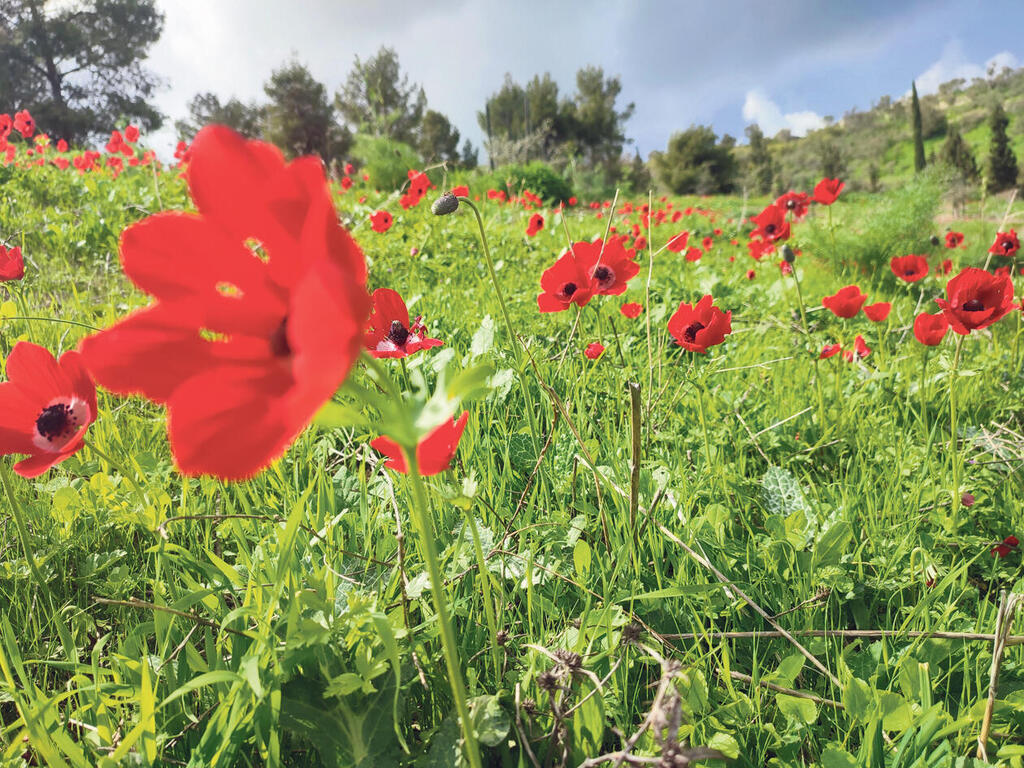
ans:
x=974 y=305
x=1007 y=245
x=769 y=229
x=791 y=204
x=399 y=334
x=56 y=421
x=569 y=289
x=690 y=334
x=604 y=276
x=279 y=346
x=910 y=272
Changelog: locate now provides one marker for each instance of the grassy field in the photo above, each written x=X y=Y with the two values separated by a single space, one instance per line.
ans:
x=287 y=620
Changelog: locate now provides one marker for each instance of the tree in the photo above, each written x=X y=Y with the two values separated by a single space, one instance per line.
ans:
x=504 y=115
x=696 y=163
x=759 y=162
x=957 y=154
x=439 y=140
x=915 y=107
x=598 y=127
x=1002 y=163
x=832 y=165
x=299 y=119
x=206 y=108
x=378 y=99
x=637 y=176
x=470 y=158
x=78 y=67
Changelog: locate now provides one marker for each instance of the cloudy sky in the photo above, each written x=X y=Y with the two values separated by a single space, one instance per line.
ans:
x=727 y=63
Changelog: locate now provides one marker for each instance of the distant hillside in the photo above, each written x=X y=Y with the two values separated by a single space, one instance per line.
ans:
x=881 y=136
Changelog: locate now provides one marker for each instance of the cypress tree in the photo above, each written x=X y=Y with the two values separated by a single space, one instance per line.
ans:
x=1002 y=163
x=915 y=107
x=957 y=154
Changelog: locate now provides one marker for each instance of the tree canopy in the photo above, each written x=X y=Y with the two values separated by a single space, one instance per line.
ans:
x=79 y=68
x=378 y=99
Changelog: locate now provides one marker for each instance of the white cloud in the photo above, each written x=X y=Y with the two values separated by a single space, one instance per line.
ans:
x=759 y=108
x=954 y=64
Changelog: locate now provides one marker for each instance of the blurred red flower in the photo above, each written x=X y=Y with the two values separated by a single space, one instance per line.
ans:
x=795 y=203
x=12 y=265
x=771 y=224
x=381 y=221
x=594 y=350
x=536 y=224
x=1006 y=244
x=909 y=268
x=954 y=239
x=846 y=302
x=631 y=310
x=827 y=191
x=878 y=312
x=930 y=329
x=434 y=453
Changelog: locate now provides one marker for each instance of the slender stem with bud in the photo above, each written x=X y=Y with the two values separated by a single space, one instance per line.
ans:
x=807 y=333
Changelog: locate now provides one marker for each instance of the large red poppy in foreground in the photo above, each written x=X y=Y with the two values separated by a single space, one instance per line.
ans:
x=258 y=312
x=975 y=299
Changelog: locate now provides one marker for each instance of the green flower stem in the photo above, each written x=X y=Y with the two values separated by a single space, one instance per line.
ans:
x=701 y=393
x=953 y=447
x=485 y=584
x=425 y=532
x=513 y=339
x=807 y=333
x=921 y=390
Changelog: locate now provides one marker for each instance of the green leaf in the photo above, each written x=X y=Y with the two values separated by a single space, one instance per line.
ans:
x=491 y=721
x=483 y=339
x=830 y=547
x=836 y=757
x=797 y=709
x=725 y=744
x=581 y=558
x=858 y=698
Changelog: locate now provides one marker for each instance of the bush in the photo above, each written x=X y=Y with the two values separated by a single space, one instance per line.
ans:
x=537 y=177
x=387 y=161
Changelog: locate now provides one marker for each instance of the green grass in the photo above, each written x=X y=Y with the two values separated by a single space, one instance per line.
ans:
x=301 y=646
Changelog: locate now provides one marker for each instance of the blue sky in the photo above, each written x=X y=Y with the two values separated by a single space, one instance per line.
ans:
x=726 y=63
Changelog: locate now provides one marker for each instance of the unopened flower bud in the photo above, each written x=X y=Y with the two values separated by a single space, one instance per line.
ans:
x=935 y=239
x=788 y=253
x=445 y=204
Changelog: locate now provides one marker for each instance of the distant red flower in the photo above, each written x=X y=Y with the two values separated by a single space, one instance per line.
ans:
x=846 y=302
x=795 y=203
x=697 y=327
x=6 y=125
x=381 y=221
x=785 y=267
x=830 y=350
x=536 y=224
x=462 y=191
x=751 y=274
x=878 y=312
x=946 y=266
x=1006 y=244
x=434 y=453
x=909 y=268
x=640 y=243
x=260 y=304
x=827 y=191
x=707 y=243
x=62 y=146
x=717 y=231
x=860 y=350
x=694 y=254
x=46 y=407
x=12 y=265
x=572 y=201
x=349 y=168
x=930 y=329
x=967 y=499
x=566 y=282
x=388 y=332
x=758 y=248
x=631 y=310
x=771 y=225
x=1005 y=547
x=419 y=185
x=954 y=239
x=131 y=134
x=346 y=182
x=975 y=299
x=594 y=350
x=24 y=124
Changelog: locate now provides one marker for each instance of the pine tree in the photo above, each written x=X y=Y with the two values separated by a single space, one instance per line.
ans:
x=957 y=154
x=915 y=107
x=1002 y=163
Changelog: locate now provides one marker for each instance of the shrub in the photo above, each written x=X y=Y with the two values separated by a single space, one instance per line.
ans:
x=537 y=177
x=387 y=161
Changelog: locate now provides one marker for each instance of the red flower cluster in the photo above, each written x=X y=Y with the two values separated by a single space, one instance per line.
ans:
x=419 y=185
x=586 y=270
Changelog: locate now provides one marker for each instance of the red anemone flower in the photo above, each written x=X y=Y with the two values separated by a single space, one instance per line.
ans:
x=565 y=282
x=707 y=243
x=751 y=274
x=6 y=124
x=846 y=302
x=434 y=453
x=1006 y=244
x=830 y=350
x=771 y=225
x=45 y=407
x=954 y=239
x=388 y=333
x=795 y=203
x=462 y=191
x=12 y=265
x=1005 y=547
x=878 y=312
x=827 y=191
x=909 y=268
x=259 y=310
x=131 y=134
x=24 y=124
x=536 y=224
x=930 y=329
x=694 y=254
x=860 y=350
x=609 y=265
x=631 y=310
x=594 y=350
x=698 y=327
x=381 y=221
x=975 y=299
x=678 y=243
